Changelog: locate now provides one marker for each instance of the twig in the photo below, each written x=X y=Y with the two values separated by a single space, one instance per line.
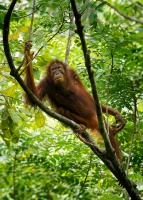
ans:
x=108 y=86
x=14 y=175
x=87 y=172
x=139 y=125
x=69 y=37
x=122 y=14
x=134 y=131
x=29 y=37
x=30 y=13
x=21 y=63
x=41 y=48
x=32 y=20
x=137 y=4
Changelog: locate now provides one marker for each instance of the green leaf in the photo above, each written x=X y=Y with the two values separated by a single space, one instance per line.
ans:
x=10 y=91
x=100 y=5
x=93 y=19
x=14 y=115
x=39 y=119
x=2 y=7
x=15 y=137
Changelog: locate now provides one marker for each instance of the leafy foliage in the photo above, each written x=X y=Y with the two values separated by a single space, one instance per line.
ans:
x=41 y=159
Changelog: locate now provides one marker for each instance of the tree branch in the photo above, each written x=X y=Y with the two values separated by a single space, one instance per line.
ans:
x=122 y=14
x=136 y=4
x=119 y=171
x=91 y=76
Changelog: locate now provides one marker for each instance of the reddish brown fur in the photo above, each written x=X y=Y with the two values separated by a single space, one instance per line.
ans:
x=73 y=101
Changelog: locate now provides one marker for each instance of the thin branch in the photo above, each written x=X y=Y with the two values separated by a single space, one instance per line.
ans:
x=29 y=36
x=32 y=20
x=108 y=86
x=41 y=48
x=134 y=131
x=30 y=13
x=69 y=37
x=91 y=77
x=139 y=128
x=122 y=14
x=85 y=179
x=89 y=166
x=136 y=4
x=21 y=64
x=14 y=175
